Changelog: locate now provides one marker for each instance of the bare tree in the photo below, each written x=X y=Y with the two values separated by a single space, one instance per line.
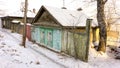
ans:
x=102 y=25
x=22 y=8
x=111 y=14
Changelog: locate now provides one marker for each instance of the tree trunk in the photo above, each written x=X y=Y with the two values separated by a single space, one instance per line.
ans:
x=102 y=25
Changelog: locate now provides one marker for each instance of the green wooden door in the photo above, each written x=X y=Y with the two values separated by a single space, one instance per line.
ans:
x=42 y=35
x=57 y=39
x=50 y=38
x=37 y=35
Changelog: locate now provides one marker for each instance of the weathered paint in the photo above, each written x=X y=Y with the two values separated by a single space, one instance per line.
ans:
x=57 y=39
x=70 y=46
x=15 y=27
x=76 y=44
x=42 y=36
x=68 y=43
x=45 y=36
x=28 y=34
x=64 y=41
x=80 y=46
x=49 y=38
x=37 y=35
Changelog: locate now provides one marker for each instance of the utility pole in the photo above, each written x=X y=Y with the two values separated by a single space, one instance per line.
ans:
x=25 y=21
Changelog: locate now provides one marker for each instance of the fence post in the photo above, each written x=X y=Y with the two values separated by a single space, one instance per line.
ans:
x=88 y=25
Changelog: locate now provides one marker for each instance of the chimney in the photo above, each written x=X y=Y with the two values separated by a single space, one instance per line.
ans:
x=64 y=5
x=79 y=9
x=34 y=11
x=64 y=8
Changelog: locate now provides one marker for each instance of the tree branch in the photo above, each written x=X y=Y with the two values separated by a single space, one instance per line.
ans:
x=105 y=1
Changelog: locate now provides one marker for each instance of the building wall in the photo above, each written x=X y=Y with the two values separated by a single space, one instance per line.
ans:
x=48 y=37
x=96 y=34
x=112 y=38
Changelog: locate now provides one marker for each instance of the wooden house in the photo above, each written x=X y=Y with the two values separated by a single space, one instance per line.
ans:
x=7 y=21
x=54 y=28
x=15 y=23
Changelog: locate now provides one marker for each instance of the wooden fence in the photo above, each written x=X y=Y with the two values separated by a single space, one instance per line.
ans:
x=77 y=44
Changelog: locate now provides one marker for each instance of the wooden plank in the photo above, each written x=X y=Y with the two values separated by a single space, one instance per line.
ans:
x=70 y=44
x=57 y=39
x=88 y=26
x=77 y=44
x=42 y=36
x=64 y=41
x=50 y=38
x=80 y=48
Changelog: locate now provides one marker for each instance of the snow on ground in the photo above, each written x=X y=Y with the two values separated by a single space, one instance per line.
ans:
x=13 y=55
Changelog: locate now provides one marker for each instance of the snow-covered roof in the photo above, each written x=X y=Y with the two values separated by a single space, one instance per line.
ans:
x=20 y=14
x=15 y=21
x=67 y=17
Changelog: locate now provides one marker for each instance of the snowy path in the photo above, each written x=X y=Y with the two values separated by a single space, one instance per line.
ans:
x=32 y=49
x=15 y=56
x=46 y=57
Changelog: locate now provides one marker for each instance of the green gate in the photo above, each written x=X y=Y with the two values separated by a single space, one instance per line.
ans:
x=49 y=37
x=42 y=35
x=57 y=39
